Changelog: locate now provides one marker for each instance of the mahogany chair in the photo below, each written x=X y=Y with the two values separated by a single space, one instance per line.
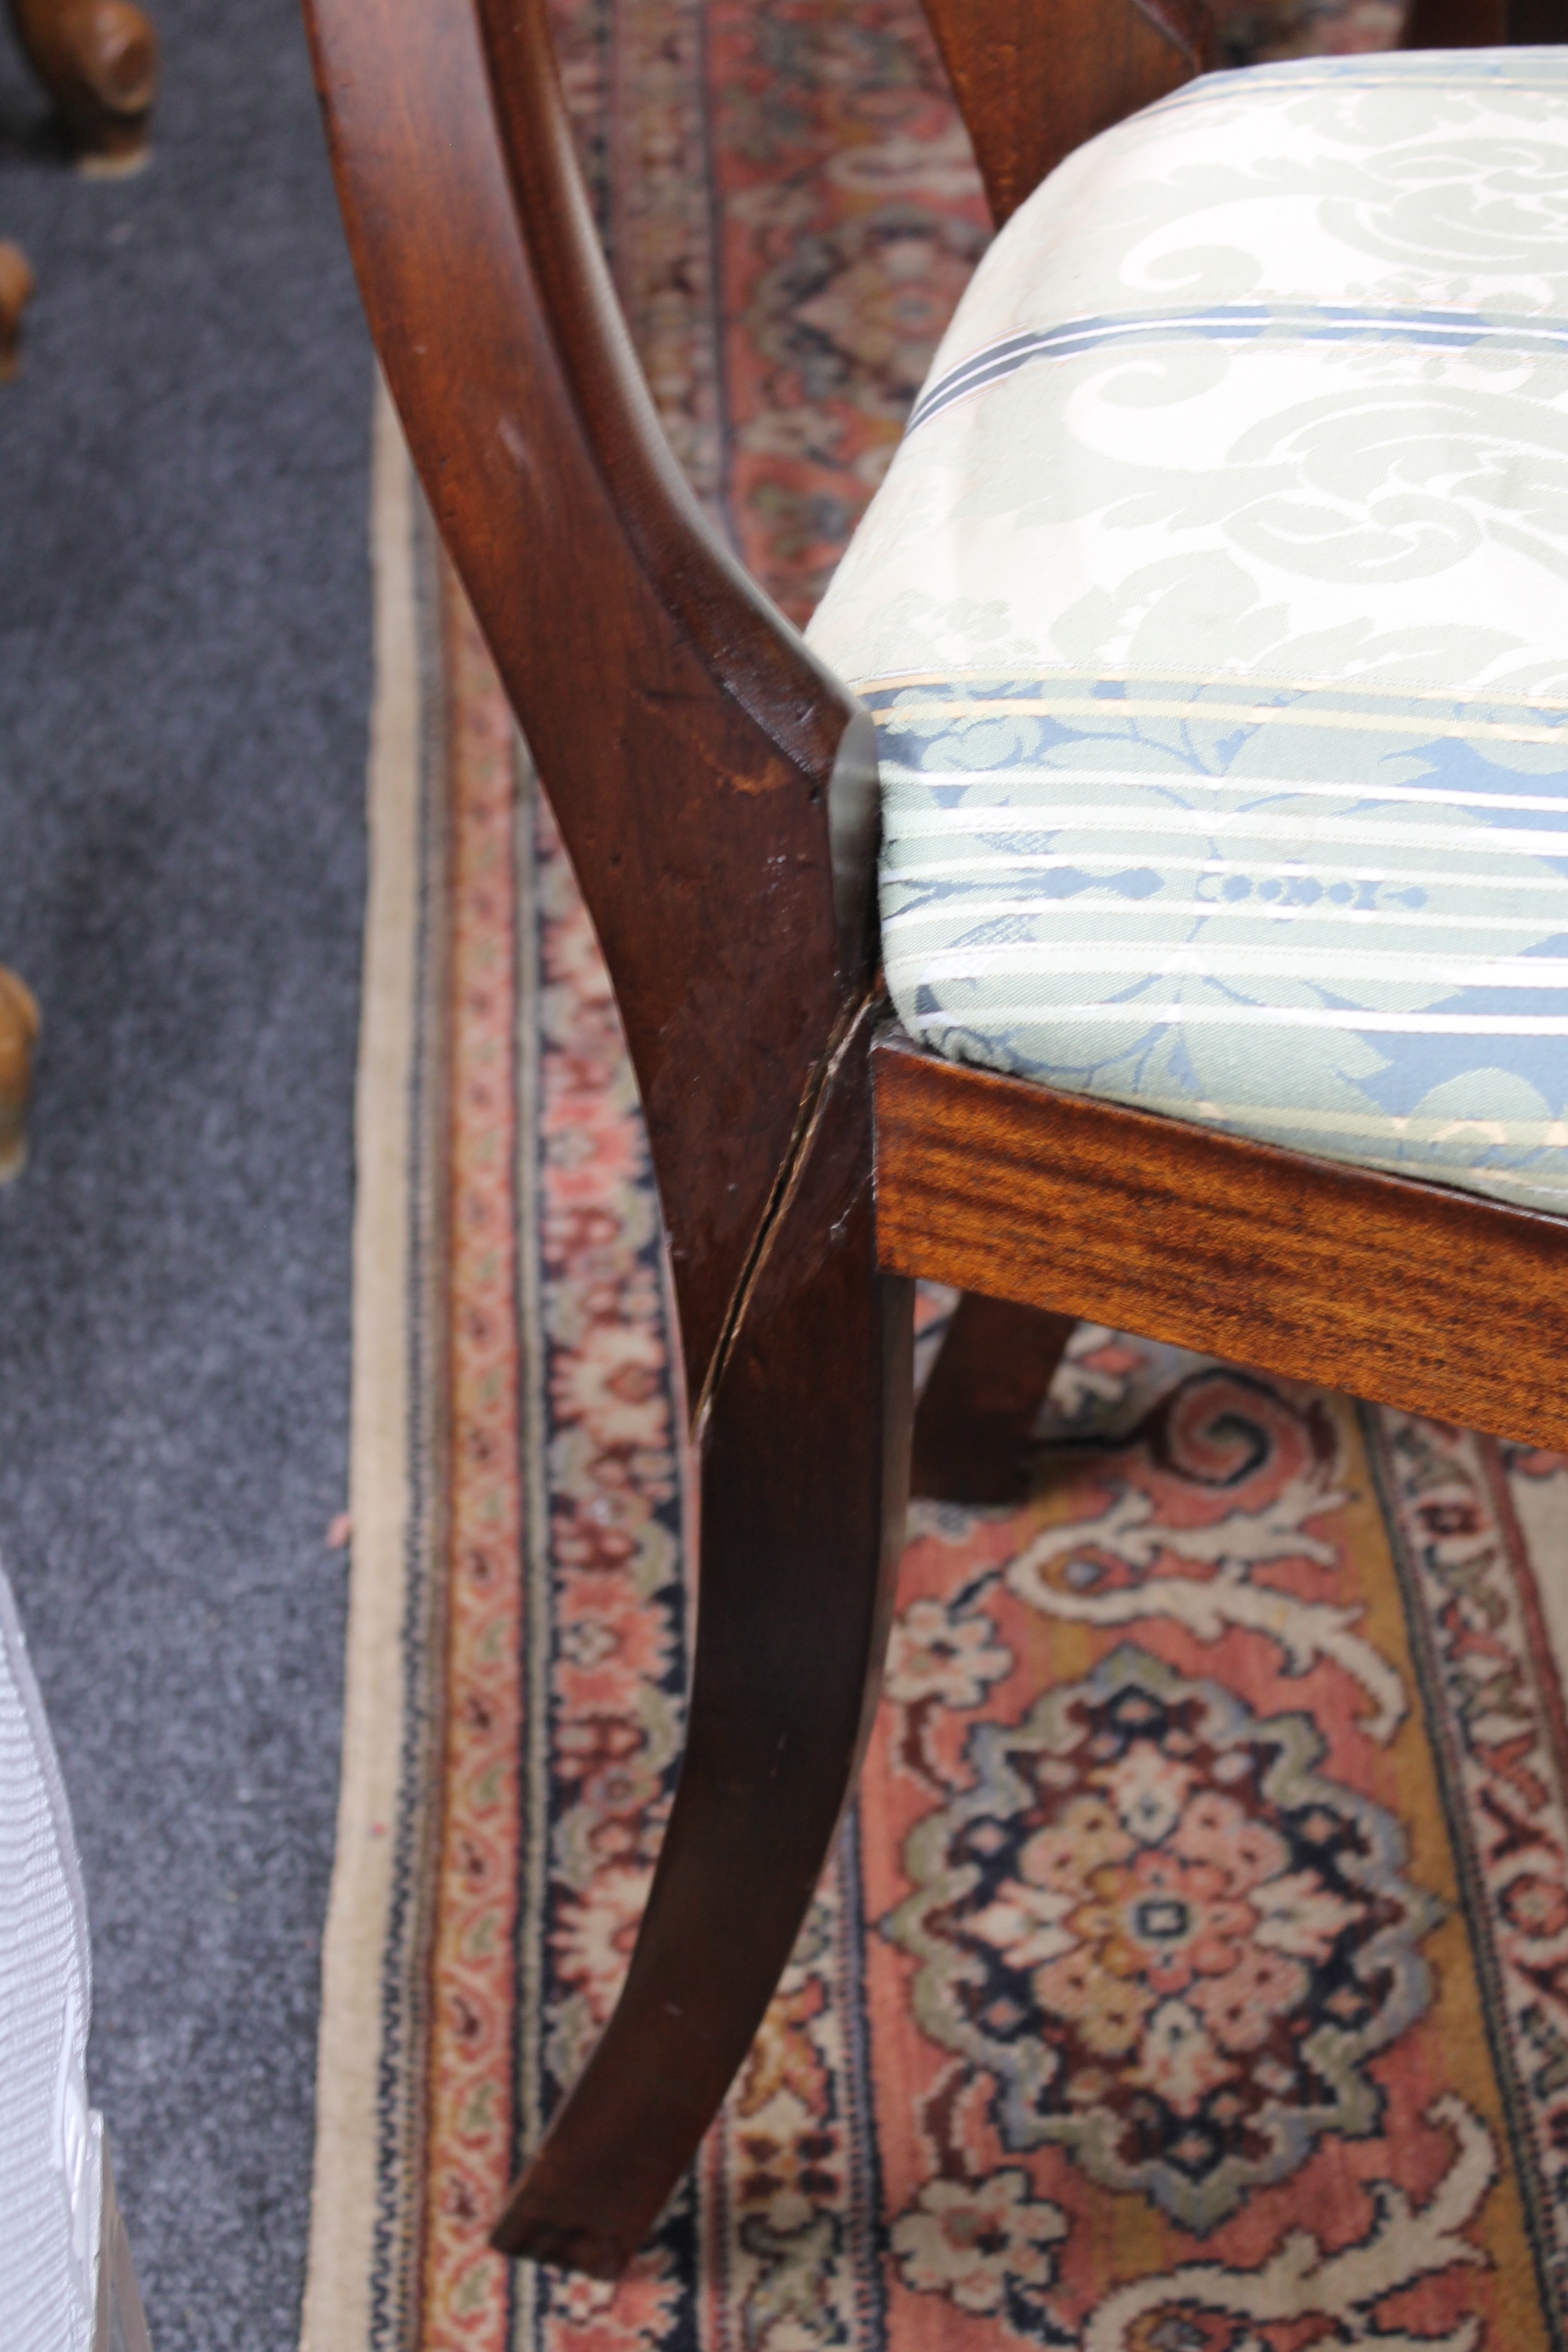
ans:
x=718 y=791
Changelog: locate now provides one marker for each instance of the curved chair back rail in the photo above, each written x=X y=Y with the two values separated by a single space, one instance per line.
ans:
x=716 y=786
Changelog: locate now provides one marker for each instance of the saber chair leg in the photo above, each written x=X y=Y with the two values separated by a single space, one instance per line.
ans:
x=804 y=1479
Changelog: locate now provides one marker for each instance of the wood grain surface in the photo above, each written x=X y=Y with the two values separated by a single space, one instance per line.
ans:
x=1033 y=78
x=715 y=785
x=805 y=1476
x=1406 y=1293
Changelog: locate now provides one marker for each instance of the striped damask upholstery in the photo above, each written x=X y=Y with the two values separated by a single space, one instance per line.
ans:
x=1214 y=618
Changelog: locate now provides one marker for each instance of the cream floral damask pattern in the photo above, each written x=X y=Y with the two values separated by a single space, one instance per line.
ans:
x=1215 y=617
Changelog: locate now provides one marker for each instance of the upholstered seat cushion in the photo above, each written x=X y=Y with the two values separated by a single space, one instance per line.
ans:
x=1215 y=617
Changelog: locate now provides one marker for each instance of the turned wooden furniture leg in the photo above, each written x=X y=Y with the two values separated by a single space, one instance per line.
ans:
x=977 y=1409
x=19 y=1024
x=803 y=1491
x=17 y=284
x=99 y=62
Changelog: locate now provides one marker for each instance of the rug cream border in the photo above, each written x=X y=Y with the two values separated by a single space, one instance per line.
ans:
x=337 y=2315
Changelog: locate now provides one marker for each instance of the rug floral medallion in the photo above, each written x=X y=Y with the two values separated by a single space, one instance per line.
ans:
x=1192 y=1973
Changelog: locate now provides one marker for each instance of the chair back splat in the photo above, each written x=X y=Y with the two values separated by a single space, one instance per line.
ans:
x=715 y=785
x=1036 y=78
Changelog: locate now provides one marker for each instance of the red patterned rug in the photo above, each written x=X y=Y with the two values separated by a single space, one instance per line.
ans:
x=1194 y=1974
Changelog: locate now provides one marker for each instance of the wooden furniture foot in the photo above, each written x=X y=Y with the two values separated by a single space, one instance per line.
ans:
x=16 y=282
x=19 y=1025
x=803 y=1491
x=977 y=1409
x=99 y=62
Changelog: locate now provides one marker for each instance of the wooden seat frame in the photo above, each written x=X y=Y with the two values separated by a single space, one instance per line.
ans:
x=717 y=790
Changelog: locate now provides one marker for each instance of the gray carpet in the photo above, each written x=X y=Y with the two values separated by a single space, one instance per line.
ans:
x=185 y=675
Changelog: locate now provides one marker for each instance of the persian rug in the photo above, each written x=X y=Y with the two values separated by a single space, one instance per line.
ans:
x=1192 y=1973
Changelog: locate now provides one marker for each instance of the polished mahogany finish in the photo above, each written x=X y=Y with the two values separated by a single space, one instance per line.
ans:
x=804 y=1484
x=716 y=788
x=1423 y=1298
x=668 y=708
x=1035 y=81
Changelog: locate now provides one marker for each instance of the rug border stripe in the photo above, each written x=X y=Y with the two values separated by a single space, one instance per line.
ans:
x=337 y=2302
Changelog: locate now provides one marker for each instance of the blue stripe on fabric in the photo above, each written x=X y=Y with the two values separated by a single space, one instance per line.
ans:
x=1500 y=69
x=1140 y=886
x=1241 y=322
